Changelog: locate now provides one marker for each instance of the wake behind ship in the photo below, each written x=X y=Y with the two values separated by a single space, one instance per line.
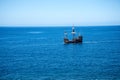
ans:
x=74 y=39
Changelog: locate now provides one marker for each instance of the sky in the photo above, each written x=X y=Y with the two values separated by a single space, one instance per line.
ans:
x=59 y=12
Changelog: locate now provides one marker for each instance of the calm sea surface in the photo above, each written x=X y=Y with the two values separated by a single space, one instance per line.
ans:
x=40 y=54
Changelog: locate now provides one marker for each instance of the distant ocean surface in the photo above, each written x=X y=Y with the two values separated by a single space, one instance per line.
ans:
x=39 y=53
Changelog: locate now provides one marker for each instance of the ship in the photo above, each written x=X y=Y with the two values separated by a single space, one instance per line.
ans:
x=75 y=39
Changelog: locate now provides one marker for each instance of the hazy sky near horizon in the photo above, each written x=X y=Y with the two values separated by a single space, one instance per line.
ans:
x=59 y=12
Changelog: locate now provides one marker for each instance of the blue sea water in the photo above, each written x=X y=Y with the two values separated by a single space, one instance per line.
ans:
x=39 y=53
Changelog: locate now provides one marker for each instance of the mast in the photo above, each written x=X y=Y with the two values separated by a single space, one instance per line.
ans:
x=73 y=32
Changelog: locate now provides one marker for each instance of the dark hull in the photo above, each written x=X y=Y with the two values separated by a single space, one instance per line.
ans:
x=78 y=40
x=74 y=42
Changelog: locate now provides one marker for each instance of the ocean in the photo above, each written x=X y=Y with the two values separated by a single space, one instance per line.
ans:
x=39 y=53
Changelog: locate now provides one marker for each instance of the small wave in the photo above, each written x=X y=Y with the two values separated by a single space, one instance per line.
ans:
x=110 y=41
x=36 y=32
x=94 y=42
x=2 y=38
x=39 y=38
x=49 y=44
x=90 y=42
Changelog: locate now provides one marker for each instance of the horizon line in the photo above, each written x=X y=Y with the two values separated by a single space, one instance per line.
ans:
x=55 y=25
